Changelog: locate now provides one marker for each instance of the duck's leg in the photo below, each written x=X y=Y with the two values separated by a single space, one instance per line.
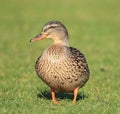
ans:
x=53 y=96
x=75 y=94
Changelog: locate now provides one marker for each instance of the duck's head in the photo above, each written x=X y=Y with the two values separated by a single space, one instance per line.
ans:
x=54 y=30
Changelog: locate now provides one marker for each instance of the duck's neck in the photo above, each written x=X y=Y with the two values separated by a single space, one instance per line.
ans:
x=61 y=42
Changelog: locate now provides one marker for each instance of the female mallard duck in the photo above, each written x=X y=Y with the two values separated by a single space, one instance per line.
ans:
x=61 y=67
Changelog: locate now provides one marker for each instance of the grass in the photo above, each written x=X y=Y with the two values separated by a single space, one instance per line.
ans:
x=94 y=28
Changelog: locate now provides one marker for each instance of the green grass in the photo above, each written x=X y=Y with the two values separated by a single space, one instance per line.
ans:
x=94 y=28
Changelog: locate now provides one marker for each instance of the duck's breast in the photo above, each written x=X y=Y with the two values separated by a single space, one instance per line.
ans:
x=62 y=68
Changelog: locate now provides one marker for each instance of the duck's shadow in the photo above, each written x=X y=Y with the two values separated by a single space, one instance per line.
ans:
x=60 y=95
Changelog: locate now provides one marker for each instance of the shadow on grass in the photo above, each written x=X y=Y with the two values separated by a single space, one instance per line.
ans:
x=60 y=95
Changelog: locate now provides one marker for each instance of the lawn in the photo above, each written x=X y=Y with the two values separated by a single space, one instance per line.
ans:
x=94 y=28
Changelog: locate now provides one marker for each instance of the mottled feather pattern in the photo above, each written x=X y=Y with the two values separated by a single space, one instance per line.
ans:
x=62 y=68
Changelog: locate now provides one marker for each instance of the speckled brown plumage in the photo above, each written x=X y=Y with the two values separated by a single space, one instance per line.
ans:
x=63 y=71
x=61 y=67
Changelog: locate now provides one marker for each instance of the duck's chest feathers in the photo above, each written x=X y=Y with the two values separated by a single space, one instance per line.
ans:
x=50 y=59
x=54 y=54
x=62 y=67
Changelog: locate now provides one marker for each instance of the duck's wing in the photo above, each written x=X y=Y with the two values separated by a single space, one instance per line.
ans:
x=79 y=59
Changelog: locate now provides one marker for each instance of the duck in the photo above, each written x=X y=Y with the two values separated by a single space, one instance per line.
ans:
x=62 y=67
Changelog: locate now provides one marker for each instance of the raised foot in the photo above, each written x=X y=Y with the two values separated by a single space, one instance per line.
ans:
x=75 y=95
x=53 y=97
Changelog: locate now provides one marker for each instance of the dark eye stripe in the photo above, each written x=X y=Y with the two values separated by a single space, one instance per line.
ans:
x=50 y=28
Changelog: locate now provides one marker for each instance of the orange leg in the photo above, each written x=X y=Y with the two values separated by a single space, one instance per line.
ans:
x=75 y=94
x=53 y=97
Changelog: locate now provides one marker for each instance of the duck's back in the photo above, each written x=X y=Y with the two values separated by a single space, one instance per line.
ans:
x=62 y=68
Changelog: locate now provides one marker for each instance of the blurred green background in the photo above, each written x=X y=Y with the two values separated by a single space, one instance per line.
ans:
x=94 y=28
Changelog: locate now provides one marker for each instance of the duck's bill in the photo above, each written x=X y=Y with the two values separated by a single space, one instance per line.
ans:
x=38 y=37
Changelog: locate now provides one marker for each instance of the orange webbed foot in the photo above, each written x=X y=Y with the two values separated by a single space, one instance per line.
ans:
x=75 y=95
x=53 y=97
